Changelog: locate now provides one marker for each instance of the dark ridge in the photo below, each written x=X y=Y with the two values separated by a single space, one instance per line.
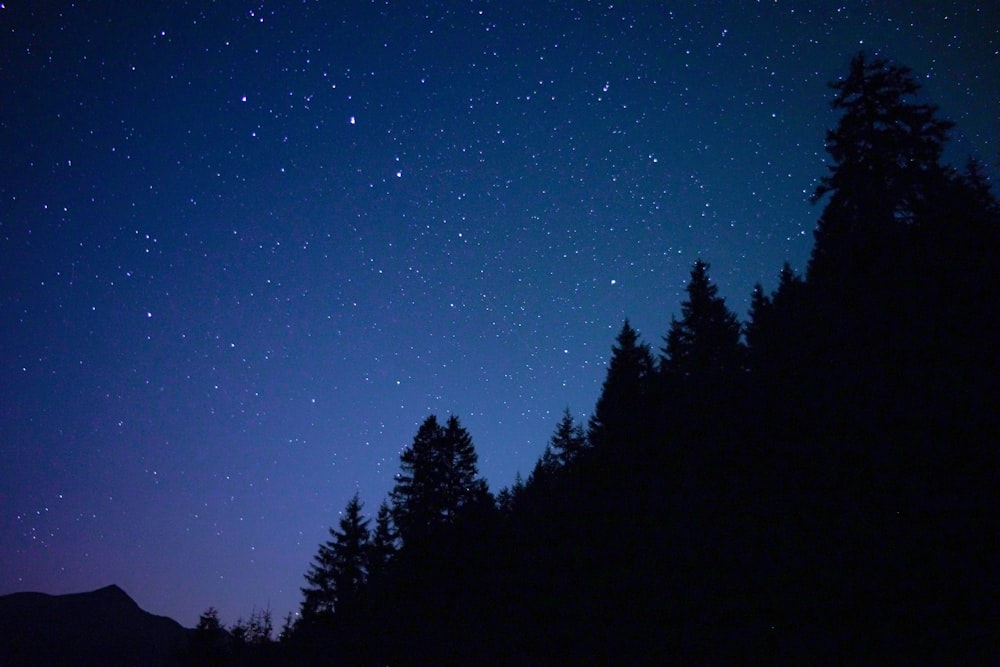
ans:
x=101 y=627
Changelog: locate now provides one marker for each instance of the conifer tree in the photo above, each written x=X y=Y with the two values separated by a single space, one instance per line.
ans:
x=790 y=285
x=210 y=642
x=287 y=631
x=978 y=185
x=382 y=546
x=705 y=343
x=772 y=319
x=568 y=442
x=460 y=482
x=566 y=445
x=209 y=623
x=623 y=405
x=760 y=310
x=439 y=478
x=510 y=496
x=339 y=569
x=413 y=496
x=255 y=630
x=885 y=151
x=545 y=468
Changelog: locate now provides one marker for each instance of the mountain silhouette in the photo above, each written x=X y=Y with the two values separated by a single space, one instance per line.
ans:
x=102 y=627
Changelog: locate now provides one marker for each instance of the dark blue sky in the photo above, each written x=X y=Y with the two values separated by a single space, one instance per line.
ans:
x=246 y=248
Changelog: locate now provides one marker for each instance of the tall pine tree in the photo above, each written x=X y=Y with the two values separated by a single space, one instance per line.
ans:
x=773 y=319
x=760 y=311
x=704 y=345
x=622 y=410
x=438 y=479
x=340 y=568
x=568 y=442
x=383 y=544
x=885 y=151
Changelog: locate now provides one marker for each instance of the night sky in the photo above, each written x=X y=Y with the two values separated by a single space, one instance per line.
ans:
x=246 y=248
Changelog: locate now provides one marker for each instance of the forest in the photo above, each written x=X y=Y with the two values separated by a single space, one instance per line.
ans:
x=817 y=484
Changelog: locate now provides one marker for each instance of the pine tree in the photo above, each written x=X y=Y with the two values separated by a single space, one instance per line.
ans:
x=568 y=442
x=210 y=642
x=705 y=343
x=773 y=318
x=885 y=151
x=546 y=465
x=623 y=405
x=459 y=483
x=287 y=631
x=209 y=623
x=565 y=447
x=790 y=286
x=545 y=468
x=510 y=496
x=439 y=478
x=382 y=547
x=978 y=185
x=413 y=496
x=756 y=327
x=255 y=630
x=339 y=569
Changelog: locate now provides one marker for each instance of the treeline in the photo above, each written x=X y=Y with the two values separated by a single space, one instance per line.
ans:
x=816 y=484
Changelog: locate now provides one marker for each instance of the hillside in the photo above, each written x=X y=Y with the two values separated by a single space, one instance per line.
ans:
x=102 y=627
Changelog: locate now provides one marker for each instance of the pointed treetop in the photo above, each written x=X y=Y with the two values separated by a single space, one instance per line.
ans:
x=438 y=478
x=882 y=134
x=706 y=340
x=885 y=154
x=626 y=387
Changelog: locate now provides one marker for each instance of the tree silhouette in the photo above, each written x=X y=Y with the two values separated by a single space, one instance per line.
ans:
x=439 y=478
x=461 y=485
x=781 y=500
x=885 y=150
x=979 y=187
x=705 y=343
x=414 y=496
x=790 y=286
x=287 y=630
x=382 y=546
x=566 y=445
x=210 y=644
x=339 y=569
x=255 y=630
x=569 y=442
x=760 y=311
x=772 y=319
x=509 y=497
x=209 y=623
x=623 y=405
x=546 y=466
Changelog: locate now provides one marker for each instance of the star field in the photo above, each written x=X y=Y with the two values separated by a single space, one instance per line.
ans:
x=246 y=247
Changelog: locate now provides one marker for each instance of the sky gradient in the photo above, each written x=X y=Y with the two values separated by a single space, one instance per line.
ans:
x=247 y=247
